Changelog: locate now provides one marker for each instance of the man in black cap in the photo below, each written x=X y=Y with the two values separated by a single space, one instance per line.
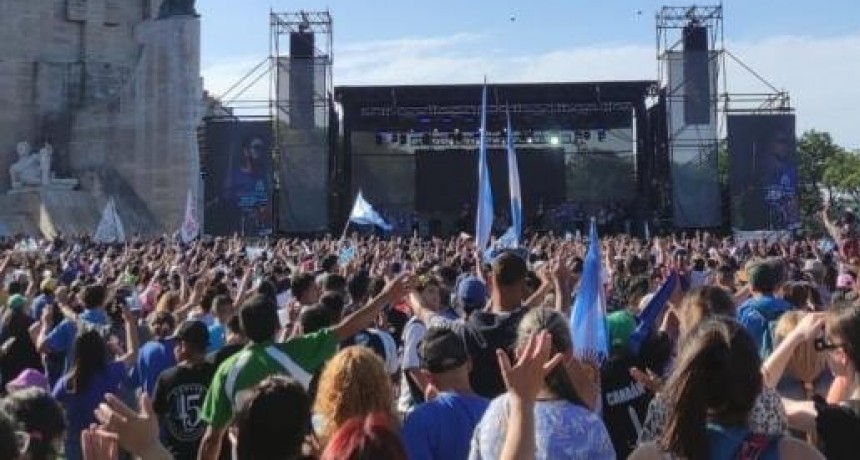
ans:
x=442 y=427
x=180 y=390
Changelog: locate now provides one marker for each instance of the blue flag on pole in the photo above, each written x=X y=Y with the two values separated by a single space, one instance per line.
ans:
x=364 y=214
x=514 y=183
x=484 y=217
x=652 y=311
x=587 y=321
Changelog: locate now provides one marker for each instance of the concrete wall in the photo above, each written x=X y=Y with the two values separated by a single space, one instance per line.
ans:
x=117 y=92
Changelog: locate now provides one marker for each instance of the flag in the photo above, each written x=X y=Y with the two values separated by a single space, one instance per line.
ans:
x=190 y=227
x=347 y=255
x=484 y=217
x=110 y=229
x=514 y=183
x=364 y=214
x=651 y=312
x=587 y=321
x=506 y=242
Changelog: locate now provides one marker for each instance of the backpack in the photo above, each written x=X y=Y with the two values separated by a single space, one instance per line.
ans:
x=741 y=444
x=758 y=447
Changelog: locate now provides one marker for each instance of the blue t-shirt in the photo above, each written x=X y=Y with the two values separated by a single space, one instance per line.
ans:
x=62 y=338
x=39 y=304
x=217 y=334
x=442 y=428
x=153 y=358
x=757 y=312
x=80 y=405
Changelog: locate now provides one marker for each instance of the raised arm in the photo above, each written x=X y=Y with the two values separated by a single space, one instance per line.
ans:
x=807 y=329
x=394 y=291
x=132 y=339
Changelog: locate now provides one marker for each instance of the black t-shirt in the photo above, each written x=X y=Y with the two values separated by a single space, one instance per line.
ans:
x=488 y=332
x=178 y=401
x=838 y=428
x=623 y=399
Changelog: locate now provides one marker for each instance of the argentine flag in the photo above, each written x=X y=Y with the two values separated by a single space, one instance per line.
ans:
x=364 y=214
x=588 y=317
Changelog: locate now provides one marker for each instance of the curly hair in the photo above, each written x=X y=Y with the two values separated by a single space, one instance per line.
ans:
x=353 y=384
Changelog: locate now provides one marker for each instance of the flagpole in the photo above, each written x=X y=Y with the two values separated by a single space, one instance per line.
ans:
x=345 y=228
x=349 y=218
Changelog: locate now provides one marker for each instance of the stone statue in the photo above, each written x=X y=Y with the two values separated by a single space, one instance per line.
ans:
x=171 y=8
x=45 y=156
x=27 y=171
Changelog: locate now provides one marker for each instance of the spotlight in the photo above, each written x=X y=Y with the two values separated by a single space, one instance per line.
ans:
x=554 y=140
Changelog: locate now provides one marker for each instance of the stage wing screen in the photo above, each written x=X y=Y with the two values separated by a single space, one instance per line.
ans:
x=763 y=174
x=238 y=184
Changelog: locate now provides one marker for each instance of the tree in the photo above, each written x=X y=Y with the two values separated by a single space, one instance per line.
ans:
x=842 y=176
x=814 y=149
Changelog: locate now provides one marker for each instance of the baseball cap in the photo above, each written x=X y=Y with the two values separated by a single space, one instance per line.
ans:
x=195 y=333
x=621 y=325
x=472 y=293
x=443 y=350
x=17 y=302
x=28 y=378
x=49 y=284
x=382 y=343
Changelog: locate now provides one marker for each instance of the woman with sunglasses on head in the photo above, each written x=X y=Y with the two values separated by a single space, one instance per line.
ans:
x=836 y=425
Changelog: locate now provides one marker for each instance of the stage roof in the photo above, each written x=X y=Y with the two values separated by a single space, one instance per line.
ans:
x=513 y=93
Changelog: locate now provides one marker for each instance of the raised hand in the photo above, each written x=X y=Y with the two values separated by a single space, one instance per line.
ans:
x=526 y=378
x=133 y=431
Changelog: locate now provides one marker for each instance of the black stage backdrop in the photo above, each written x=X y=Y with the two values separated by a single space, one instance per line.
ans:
x=446 y=180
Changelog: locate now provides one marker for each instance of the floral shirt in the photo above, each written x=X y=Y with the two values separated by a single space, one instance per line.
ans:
x=767 y=416
x=563 y=431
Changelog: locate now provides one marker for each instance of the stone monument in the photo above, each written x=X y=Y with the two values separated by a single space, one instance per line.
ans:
x=171 y=8
x=116 y=86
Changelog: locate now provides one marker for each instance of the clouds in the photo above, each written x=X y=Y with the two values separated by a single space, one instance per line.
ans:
x=820 y=73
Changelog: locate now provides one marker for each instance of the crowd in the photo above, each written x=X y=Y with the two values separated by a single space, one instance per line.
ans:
x=410 y=348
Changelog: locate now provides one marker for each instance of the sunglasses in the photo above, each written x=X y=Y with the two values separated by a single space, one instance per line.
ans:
x=822 y=344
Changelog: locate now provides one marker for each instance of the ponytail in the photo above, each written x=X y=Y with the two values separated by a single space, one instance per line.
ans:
x=717 y=379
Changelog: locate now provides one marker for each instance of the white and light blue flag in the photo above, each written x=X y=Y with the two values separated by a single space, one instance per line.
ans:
x=364 y=214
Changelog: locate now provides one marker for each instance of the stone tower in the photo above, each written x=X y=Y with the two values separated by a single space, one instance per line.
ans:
x=118 y=93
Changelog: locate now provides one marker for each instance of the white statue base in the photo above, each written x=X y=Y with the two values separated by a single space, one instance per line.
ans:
x=54 y=185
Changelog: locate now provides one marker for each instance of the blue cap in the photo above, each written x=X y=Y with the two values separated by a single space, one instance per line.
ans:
x=472 y=293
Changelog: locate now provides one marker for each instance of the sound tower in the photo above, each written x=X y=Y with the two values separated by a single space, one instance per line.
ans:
x=301 y=102
x=697 y=77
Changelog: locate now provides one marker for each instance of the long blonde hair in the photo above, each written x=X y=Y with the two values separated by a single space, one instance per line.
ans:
x=806 y=364
x=353 y=384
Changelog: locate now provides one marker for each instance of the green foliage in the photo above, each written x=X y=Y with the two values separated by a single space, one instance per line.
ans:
x=842 y=175
x=814 y=150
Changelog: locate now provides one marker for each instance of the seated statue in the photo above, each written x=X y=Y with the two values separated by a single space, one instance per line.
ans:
x=27 y=171
x=171 y=8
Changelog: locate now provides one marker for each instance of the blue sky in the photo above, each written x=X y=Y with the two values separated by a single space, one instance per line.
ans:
x=811 y=49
